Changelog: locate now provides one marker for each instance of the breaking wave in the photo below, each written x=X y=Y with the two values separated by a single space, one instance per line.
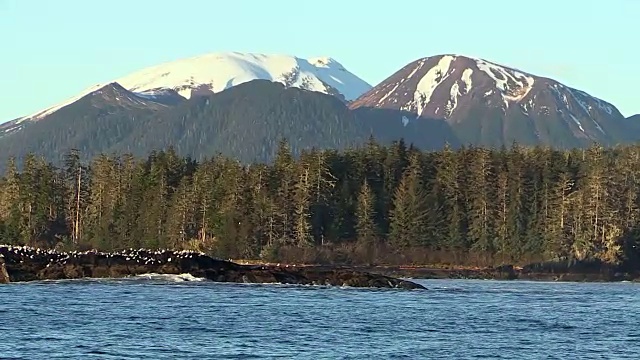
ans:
x=167 y=277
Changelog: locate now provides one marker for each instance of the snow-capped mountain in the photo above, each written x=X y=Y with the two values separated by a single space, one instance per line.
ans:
x=490 y=104
x=215 y=72
x=449 y=99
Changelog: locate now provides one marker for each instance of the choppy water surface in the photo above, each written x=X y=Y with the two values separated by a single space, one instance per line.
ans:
x=162 y=318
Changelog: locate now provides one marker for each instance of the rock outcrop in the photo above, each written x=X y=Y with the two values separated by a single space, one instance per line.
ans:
x=29 y=264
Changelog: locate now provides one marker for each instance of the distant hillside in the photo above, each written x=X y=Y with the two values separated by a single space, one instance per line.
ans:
x=92 y=124
x=247 y=122
x=633 y=122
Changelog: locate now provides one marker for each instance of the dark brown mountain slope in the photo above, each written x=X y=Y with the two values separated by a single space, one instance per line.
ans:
x=489 y=104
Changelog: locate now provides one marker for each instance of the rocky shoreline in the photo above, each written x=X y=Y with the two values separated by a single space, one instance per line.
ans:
x=18 y=264
x=534 y=272
x=572 y=271
x=31 y=264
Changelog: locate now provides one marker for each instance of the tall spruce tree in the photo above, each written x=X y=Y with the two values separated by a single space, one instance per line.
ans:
x=366 y=227
x=409 y=213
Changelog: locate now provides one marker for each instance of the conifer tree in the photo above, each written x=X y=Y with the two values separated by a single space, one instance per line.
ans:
x=447 y=183
x=283 y=180
x=10 y=212
x=366 y=228
x=75 y=192
x=302 y=201
x=409 y=213
x=479 y=166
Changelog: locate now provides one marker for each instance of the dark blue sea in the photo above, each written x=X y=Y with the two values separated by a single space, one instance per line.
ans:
x=165 y=317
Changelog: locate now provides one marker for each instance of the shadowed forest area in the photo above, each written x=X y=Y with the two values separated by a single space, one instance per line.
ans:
x=369 y=205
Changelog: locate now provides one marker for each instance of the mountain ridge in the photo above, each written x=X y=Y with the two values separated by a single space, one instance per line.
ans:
x=246 y=122
x=214 y=72
x=431 y=102
x=95 y=121
x=490 y=104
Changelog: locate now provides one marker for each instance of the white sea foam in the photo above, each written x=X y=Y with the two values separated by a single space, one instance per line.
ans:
x=168 y=277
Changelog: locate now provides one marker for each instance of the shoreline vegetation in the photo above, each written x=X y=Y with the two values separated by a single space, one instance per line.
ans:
x=505 y=272
x=549 y=271
x=518 y=212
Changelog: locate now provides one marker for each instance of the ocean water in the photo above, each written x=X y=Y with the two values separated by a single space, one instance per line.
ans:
x=165 y=317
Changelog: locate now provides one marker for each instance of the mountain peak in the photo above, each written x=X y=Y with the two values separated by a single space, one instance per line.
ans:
x=464 y=90
x=115 y=94
x=215 y=72
x=457 y=73
x=219 y=71
x=324 y=61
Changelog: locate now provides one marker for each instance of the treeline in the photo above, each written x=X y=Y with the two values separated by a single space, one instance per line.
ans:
x=378 y=204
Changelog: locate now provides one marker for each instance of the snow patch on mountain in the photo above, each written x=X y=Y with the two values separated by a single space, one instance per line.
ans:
x=513 y=85
x=452 y=103
x=598 y=127
x=430 y=81
x=576 y=121
x=323 y=61
x=393 y=90
x=581 y=98
x=466 y=79
x=603 y=105
x=580 y=102
x=153 y=94
x=399 y=83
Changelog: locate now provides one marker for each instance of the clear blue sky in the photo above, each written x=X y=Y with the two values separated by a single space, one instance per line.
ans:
x=52 y=50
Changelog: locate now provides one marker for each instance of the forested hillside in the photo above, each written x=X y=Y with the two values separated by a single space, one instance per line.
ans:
x=370 y=204
x=246 y=122
x=93 y=124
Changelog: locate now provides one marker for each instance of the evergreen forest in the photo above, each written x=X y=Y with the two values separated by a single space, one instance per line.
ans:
x=373 y=204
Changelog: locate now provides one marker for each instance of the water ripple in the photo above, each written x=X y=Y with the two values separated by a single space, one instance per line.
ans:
x=456 y=319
